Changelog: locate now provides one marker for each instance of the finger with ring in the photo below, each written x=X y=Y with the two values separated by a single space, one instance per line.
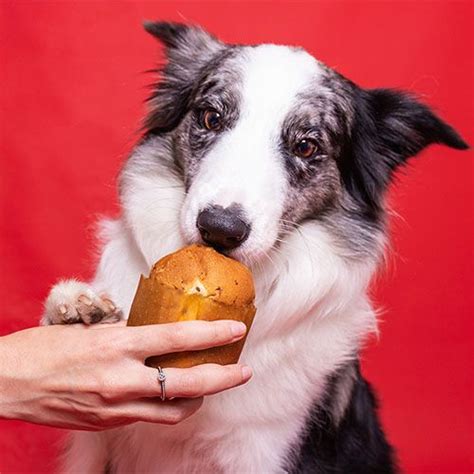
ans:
x=162 y=381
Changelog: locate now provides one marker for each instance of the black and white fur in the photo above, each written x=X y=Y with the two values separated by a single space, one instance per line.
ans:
x=317 y=235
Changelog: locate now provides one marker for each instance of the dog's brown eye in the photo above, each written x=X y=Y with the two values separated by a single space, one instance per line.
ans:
x=305 y=148
x=212 y=120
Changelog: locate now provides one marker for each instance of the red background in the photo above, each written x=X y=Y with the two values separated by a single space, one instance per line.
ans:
x=71 y=92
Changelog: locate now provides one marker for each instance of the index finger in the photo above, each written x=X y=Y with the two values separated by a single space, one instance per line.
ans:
x=157 y=339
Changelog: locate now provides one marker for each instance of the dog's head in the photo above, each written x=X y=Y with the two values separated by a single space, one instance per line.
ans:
x=266 y=137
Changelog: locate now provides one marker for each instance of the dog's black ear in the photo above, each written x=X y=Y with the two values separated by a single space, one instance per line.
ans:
x=188 y=49
x=389 y=127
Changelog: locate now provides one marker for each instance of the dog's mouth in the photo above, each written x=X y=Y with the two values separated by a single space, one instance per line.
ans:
x=236 y=253
x=249 y=242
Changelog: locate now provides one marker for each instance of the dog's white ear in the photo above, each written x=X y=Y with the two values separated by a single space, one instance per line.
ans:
x=188 y=50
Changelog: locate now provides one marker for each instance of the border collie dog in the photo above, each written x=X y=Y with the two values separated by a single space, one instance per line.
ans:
x=282 y=163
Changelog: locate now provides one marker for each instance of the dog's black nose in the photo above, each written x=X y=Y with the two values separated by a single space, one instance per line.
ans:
x=223 y=228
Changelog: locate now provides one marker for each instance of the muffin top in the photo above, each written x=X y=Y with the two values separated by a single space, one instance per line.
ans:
x=198 y=269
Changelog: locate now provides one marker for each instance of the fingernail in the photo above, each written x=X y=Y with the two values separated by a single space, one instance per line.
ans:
x=246 y=372
x=237 y=328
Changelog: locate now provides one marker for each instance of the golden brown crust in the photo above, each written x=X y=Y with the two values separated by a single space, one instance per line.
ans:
x=195 y=283
x=199 y=268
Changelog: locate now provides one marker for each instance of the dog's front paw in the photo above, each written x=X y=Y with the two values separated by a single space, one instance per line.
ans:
x=72 y=301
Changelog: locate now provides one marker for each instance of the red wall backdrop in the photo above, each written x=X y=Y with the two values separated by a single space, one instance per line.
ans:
x=71 y=91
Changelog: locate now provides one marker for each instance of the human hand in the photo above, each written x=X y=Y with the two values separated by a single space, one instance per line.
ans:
x=94 y=378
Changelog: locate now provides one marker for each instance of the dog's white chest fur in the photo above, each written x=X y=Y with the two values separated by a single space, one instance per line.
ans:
x=311 y=315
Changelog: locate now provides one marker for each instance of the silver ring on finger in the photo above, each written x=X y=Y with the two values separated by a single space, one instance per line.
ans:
x=162 y=381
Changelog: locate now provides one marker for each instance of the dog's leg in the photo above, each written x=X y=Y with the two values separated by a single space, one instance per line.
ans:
x=72 y=301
